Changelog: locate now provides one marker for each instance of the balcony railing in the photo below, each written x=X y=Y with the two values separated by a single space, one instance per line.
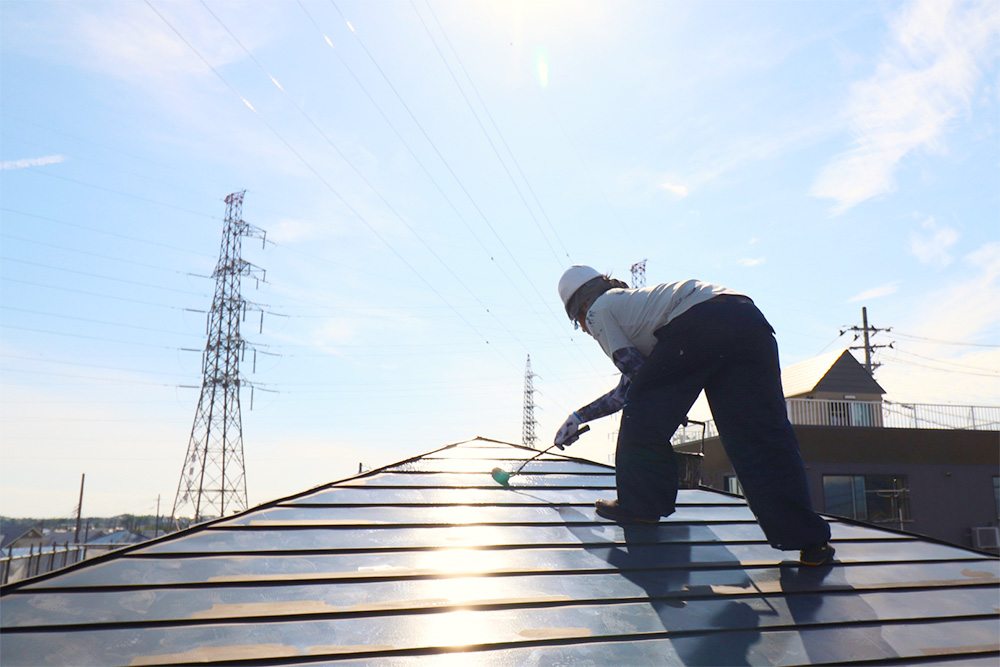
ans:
x=871 y=414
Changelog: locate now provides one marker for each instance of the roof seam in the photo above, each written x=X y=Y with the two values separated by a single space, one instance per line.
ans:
x=464 y=606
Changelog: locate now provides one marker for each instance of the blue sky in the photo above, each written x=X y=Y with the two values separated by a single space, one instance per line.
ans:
x=425 y=171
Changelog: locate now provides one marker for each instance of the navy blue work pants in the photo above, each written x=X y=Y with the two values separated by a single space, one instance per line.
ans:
x=726 y=347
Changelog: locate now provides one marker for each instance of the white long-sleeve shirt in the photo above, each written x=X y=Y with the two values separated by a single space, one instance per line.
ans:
x=622 y=318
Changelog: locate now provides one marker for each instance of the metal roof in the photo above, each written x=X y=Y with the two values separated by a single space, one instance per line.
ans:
x=430 y=561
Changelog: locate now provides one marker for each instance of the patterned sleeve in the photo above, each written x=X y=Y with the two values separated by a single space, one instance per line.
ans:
x=606 y=405
x=628 y=360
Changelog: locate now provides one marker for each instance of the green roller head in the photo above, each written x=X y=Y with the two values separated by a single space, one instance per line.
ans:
x=500 y=476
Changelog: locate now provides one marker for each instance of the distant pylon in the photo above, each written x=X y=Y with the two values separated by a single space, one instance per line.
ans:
x=639 y=274
x=528 y=437
x=213 y=480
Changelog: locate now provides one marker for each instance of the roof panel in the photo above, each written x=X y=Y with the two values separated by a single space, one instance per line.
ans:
x=132 y=571
x=538 y=513
x=231 y=600
x=518 y=492
x=429 y=560
x=262 y=636
x=585 y=478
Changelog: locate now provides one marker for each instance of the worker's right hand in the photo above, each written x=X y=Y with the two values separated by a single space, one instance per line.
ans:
x=569 y=427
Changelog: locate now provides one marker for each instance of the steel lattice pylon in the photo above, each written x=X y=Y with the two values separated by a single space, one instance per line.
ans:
x=639 y=275
x=213 y=480
x=528 y=437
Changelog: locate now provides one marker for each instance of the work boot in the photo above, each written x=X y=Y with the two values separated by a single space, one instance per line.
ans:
x=610 y=509
x=820 y=554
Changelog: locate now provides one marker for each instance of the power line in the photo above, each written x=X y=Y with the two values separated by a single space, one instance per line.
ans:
x=145 y=265
x=102 y=339
x=264 y=194
x=323 y=180
x=82 y=365
x=92 y=378
x=100 y=145
x=943 y=342
x=103 y=231
x=36 y=170
x=546 y=302
x=417 y=159
x=103 y=296
x=97 y=275
x=87 y=319
x=357 y=171
x=461 y=185
x=496 y=129
x=984 y=372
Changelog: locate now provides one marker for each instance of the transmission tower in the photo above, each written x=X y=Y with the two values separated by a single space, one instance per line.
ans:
x=528 y=437
x=639 y=274
x=867 y=347
x=213 y=481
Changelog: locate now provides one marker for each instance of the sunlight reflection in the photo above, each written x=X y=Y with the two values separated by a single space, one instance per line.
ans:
x=461 y=626
x=542 y=67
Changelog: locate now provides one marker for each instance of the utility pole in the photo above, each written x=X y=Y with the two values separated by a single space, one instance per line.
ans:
x=79 y=510
x=528 y=437
x=213 y=480
x=639 y=275
x=867 y=347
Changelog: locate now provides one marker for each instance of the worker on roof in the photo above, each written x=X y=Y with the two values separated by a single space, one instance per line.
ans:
x=670 y=342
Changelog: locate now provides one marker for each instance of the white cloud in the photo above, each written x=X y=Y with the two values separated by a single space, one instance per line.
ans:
x=27 y=163
x=932 y=245
x=931 y=369
x=746 y=261
x=970 y=307
x=927 y=74
x=643 y=183
x=679 y=190
x=876 y=292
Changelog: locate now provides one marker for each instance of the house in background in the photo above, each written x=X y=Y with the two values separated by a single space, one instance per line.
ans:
x=33 y=537
x=832 y=390
x=933 y=470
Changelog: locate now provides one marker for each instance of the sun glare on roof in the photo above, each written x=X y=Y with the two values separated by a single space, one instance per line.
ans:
x=454 y=561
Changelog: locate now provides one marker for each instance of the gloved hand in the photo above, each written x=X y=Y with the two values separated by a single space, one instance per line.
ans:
x=569 y=427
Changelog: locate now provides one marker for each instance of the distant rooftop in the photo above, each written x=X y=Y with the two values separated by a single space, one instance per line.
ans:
x=430 y=561
x=833 y=373
x=835 y=390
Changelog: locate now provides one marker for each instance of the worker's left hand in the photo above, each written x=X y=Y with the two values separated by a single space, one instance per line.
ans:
x=569 y=427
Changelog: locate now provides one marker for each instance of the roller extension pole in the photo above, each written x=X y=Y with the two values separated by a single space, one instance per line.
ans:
x=502 y=477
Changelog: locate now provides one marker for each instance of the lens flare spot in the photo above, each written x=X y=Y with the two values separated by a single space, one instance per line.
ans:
x=542 y=68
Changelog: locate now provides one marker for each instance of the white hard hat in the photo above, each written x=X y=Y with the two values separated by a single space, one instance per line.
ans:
x=573 y=279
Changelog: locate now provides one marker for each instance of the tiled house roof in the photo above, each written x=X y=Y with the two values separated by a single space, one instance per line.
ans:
x=431 y=562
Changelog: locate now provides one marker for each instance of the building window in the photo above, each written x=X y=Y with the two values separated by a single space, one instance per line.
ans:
x=733 y=485
x=839 y=414
x=863 y=414
x=853 y=413
x=881 y=499
x=996 y=493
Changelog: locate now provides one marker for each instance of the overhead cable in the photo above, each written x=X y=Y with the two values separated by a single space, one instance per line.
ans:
x=357 y=171
x=324 y=181
x=496 y=129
